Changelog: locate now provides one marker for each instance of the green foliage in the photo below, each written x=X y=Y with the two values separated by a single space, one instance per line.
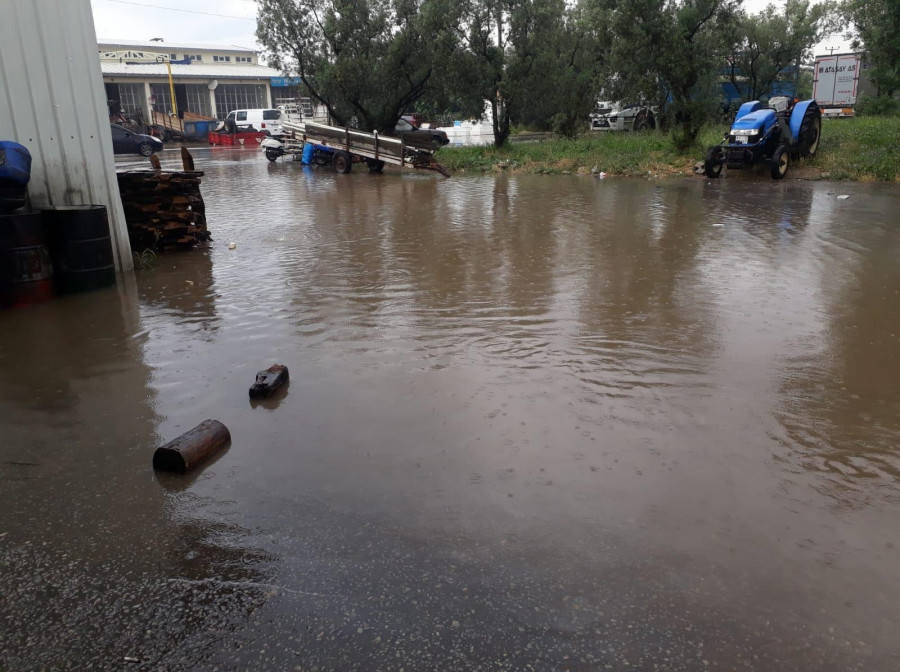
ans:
x=773 y=39
x=552 y=66
x=367 y=62
x=852 y=149
x=670 y=51
x=531 y=60
x=804 y=84
x=877 y=106
x=877 y=24
x=863 y=148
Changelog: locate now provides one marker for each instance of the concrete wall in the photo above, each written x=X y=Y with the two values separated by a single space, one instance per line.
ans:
x=52 y=101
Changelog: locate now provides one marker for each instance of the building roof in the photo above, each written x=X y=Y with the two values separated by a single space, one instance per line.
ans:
x=167 y=47
x=194 y=70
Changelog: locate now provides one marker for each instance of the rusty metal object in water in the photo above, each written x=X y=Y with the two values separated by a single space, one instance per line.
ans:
x=269 y=380
x=192 y=447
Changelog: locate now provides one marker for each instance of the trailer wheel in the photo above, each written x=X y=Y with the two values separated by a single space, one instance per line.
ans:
x=272 y=154
x=342 y=162
x=375 y=165
x=715 y=159
x=780 y=161
x=810 y=131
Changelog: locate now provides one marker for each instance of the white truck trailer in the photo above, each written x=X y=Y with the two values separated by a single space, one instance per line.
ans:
x=836 y=83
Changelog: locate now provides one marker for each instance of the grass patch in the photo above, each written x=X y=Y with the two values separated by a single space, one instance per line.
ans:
x=862 y=149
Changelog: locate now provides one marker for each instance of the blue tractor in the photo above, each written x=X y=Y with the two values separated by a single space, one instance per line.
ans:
x=774 y=135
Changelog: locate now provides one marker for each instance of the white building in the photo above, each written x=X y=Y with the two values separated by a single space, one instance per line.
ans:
x=209 y=80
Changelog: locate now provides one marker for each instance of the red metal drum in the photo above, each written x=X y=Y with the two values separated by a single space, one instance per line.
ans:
x=26 y=274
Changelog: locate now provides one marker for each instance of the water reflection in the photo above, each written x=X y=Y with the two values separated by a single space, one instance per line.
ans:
x=841 y=411
x=602 y=420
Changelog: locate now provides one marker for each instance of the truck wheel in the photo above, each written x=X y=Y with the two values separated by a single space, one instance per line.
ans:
x=375 y=165
x=780 y=160
x=715 y=158
x=810 y=131
x=342 y=162
x=272 y=154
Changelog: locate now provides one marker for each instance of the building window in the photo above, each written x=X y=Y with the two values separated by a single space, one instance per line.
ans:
x=131 y=96
x=221 y=59
x=239 y=97
x=162 y=100
x=242 y=59
x=197 y=97
x=173 y=57
x=192 y=57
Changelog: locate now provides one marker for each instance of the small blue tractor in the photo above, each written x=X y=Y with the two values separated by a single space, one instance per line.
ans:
x=775 y=135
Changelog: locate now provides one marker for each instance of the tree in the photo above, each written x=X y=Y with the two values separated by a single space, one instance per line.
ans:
x=553 y=67
x=671 y=50
x=877 y=25
x=772 y=40
x=482 y=60
x=529 y=59
x=365 y=61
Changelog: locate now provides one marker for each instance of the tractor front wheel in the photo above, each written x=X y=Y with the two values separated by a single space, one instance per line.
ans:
x=780 y=161
x=715 y=158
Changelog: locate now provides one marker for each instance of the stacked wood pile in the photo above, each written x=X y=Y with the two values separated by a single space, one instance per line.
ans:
x=164 y=210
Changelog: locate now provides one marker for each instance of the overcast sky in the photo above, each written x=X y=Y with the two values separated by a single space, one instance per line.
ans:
x=227 y=21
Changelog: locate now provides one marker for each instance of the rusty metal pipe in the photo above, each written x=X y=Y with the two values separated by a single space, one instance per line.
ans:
x=192 y=447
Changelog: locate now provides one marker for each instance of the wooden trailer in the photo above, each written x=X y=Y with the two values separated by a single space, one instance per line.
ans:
x=351 y=146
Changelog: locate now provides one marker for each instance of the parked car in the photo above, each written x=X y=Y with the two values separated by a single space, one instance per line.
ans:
x=622 y=117
x=129 y=142
x=267 y=121
x=411 y=133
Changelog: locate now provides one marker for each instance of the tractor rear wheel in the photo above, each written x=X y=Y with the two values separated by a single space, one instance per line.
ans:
x=780 y=161
x=810 y=131
x=715 y=158
x=342 y=162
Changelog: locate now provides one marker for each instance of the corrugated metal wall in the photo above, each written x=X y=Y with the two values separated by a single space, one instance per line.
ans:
x=52 y=101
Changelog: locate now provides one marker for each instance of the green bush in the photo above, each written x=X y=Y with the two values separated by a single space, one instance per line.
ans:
x=880 y=106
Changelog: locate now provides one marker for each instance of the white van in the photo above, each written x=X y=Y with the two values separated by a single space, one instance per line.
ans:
x=268 y=121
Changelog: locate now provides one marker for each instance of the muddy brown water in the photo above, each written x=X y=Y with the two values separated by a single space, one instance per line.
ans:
x=533 y=423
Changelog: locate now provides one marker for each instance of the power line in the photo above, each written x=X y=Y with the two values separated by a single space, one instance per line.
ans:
x=178 y=9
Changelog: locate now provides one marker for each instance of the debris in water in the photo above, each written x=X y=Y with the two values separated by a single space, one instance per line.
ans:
x=232 y=245
x=192 y=447
x=130 y=659
x=269 y=380
x=843 y=197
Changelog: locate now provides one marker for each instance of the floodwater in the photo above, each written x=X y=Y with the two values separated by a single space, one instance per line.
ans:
x=533 y=423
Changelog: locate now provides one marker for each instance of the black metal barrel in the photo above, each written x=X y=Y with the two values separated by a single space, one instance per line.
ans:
x=80 y=247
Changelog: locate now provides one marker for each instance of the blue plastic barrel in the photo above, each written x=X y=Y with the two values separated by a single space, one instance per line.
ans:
x=190 y=129
x=202 y=129
x=15 y=164
x=306 y=157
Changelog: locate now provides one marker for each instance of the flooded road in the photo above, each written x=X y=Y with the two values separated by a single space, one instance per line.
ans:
x=534 y=423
